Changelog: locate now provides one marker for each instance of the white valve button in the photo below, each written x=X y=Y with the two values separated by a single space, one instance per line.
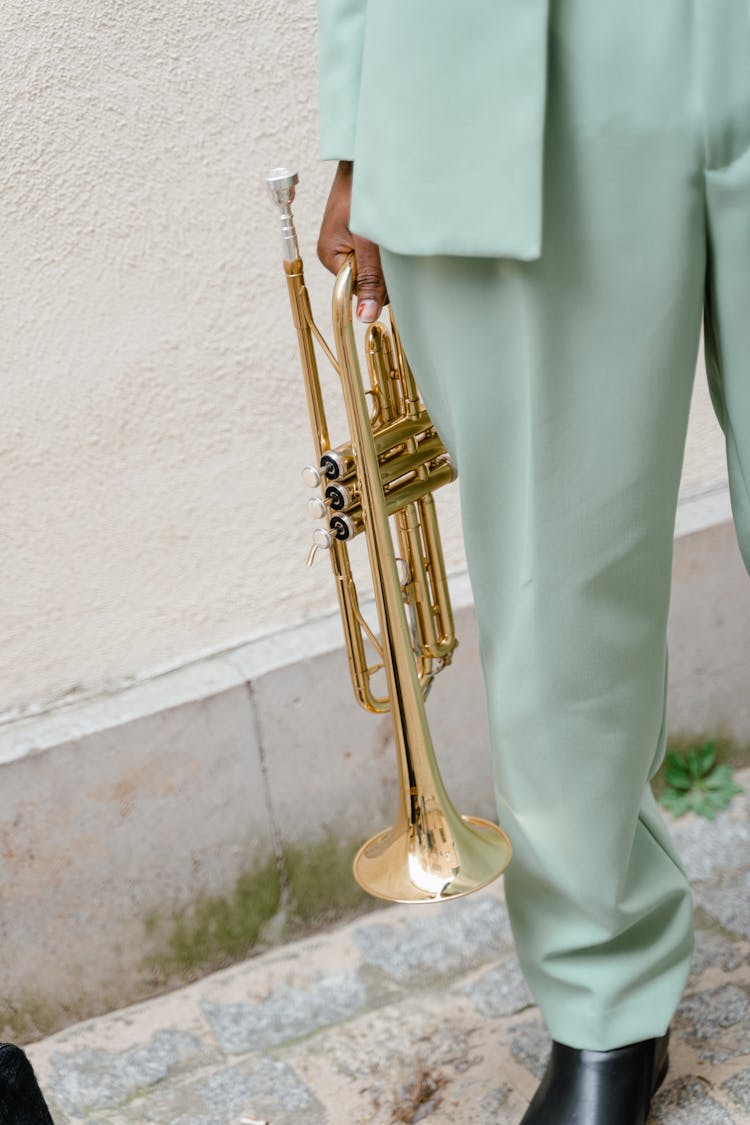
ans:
x=311 y=476
x=322 y=538
x=316 y=507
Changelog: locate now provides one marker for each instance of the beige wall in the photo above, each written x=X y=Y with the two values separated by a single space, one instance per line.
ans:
x=153 y=423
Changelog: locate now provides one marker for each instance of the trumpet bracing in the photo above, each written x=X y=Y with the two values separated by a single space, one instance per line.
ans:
x=389 y=468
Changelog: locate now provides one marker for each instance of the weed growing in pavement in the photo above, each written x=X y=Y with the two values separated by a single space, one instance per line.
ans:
x=696 y=783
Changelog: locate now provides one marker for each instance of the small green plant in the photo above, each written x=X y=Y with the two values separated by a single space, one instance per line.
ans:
x=694 y=782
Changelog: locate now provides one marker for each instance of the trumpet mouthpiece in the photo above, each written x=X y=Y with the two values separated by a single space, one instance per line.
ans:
x=281 y=183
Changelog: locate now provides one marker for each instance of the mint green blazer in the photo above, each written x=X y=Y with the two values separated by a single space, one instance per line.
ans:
x=441 y=106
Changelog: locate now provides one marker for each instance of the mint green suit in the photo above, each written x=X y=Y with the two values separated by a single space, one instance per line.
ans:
x=558 y=192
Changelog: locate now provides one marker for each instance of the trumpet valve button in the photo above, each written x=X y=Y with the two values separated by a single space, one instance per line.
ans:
x=322 y=538
x=311 y=476
x=316 y=507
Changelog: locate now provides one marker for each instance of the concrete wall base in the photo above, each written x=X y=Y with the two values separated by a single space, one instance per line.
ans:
x=169 y=828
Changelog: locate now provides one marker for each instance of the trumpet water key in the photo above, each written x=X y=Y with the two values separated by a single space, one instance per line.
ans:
x=386 y=472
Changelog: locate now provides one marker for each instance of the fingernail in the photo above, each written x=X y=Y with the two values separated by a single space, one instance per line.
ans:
x=367 y=311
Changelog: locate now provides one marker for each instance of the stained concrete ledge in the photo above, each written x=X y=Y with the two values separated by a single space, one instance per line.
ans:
x=194 y=816
x=405 y=1015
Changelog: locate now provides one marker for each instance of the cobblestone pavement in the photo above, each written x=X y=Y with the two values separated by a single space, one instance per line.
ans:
x=405 y=1015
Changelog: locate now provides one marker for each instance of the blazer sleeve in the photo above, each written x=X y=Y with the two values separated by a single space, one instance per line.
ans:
x=341 y=31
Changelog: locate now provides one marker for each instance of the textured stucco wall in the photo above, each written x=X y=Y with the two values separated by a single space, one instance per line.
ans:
x=153 y=422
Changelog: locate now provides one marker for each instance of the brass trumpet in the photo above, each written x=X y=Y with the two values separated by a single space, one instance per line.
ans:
x=390 y=467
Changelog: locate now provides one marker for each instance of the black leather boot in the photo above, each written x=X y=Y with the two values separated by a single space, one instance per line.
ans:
x=21 y=1100
x=599 y=1087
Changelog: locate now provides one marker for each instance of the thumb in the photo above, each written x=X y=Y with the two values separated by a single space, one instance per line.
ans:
x=371 y=294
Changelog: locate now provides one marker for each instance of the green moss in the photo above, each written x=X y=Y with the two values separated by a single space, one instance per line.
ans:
x=321 y=884
x=151 y=923
x=217 y=930
x=26 y=1020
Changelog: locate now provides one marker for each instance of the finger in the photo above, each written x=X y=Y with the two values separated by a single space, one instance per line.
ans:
x=335 y=241
x=335 y=244
x=371 y=292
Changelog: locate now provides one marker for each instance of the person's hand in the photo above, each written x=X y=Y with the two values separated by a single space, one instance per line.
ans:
x=336 y=242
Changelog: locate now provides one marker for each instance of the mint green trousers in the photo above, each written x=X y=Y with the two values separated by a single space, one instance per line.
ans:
x=561 y=386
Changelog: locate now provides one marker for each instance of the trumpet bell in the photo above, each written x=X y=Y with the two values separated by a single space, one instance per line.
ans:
x=453 y=857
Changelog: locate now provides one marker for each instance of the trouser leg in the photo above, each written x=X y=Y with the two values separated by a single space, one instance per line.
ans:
x=726 y=66
x=562 y=388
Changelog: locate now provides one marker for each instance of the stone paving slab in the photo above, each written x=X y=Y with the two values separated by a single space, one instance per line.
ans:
x=406 y=1015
